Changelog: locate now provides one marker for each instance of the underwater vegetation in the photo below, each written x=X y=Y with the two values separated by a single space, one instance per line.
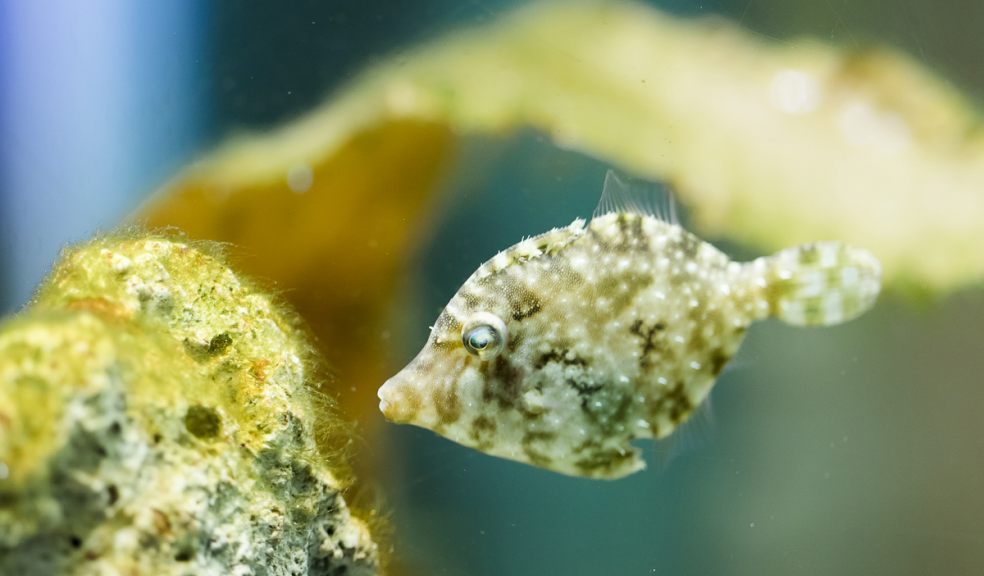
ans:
x=158 y=415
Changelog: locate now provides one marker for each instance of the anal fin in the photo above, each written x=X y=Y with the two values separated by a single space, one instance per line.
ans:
x=689 y=435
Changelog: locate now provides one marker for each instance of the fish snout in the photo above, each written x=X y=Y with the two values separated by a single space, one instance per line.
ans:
x=399 y=399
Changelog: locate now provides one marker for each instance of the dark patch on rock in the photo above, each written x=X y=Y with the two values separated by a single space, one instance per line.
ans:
x=112 y=494
x=203 y=351
x=219 y=343
x=203 y=422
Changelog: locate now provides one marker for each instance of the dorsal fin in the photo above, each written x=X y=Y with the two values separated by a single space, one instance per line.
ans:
x=624 y=194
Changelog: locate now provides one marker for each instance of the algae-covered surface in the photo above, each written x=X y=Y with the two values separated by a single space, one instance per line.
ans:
x=159 y=415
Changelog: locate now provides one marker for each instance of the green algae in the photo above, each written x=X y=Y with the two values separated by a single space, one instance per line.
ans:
x=157 y=416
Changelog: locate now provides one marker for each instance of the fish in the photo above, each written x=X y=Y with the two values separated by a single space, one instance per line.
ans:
x=562 y=350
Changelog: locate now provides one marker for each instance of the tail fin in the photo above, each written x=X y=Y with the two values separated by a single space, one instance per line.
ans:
x=819 y=284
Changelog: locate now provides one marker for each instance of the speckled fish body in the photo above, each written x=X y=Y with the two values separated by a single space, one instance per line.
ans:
x=607 y=331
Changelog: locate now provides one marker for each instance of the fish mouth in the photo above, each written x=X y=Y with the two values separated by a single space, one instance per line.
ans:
x=399 y=400
x=382 y=393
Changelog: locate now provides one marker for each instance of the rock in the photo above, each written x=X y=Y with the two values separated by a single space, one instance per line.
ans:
x=158 y=415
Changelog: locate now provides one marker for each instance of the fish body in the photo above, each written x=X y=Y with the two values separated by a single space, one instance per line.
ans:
x=564 y=348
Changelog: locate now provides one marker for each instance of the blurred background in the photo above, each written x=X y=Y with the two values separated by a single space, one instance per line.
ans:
x=856 y=449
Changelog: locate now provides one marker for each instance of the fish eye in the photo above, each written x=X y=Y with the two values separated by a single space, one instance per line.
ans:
x=484 y=335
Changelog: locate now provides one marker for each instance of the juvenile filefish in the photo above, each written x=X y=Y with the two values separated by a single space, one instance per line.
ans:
x=564 y=348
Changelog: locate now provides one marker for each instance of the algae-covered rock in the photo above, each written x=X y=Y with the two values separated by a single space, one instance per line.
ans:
x=157 y=416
